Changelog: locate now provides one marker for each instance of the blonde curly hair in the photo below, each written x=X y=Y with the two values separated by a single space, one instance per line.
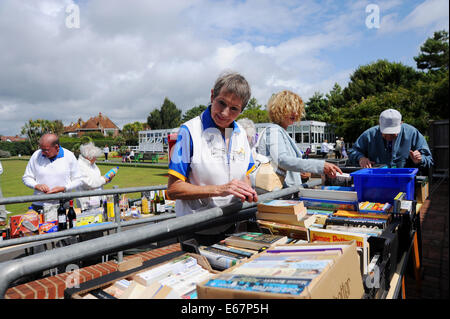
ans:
x=283 y=104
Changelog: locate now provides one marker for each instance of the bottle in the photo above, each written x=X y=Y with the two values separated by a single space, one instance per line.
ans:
x=152 y=202
x=145 y=208
x=112 y=172
x=71 y=215
x=110 y=207
x=162 y=202
x=62 y=218
x=156 y=204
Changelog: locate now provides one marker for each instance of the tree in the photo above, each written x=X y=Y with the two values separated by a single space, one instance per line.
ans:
x=35 y=129
x=255 y=112
x=193 y=112
x=169 y=116
x=378 y=77
x=317 y=108
x=154 y=120
x=130 y=132
x=434 y=52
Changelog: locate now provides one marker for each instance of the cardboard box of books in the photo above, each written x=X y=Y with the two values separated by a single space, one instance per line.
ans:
x=173 y=279
x=313 y=271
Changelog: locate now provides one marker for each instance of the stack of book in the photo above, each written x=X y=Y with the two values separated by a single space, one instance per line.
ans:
x=176 y=279
x=287 y=212
x=222 y=256
x=238 y=247
x=290 y=271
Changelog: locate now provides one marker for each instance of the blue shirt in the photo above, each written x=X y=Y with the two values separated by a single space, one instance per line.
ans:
x=59 y=155
x=372 y=145
x=180 y=160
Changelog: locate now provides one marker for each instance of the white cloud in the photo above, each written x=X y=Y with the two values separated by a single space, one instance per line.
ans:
x=127 y=57
x=430 y=15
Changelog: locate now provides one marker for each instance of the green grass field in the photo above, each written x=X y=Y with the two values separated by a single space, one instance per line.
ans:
x=11 y=180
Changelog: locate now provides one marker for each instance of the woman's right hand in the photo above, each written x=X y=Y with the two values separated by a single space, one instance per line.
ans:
x=239 y=189
x=330 y=170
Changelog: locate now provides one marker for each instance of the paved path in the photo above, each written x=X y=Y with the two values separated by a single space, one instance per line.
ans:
x=434 y=223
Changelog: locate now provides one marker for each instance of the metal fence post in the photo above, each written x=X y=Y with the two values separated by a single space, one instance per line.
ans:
x=117 y=220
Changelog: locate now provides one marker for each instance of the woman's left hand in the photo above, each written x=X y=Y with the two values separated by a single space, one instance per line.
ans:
x=239 y=189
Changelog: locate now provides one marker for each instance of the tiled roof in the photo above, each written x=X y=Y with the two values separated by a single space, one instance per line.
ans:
x=100 y=121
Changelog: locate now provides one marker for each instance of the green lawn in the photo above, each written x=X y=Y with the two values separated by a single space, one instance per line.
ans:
x=11 y=180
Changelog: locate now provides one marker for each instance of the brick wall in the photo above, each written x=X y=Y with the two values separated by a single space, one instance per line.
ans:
x=53 y=287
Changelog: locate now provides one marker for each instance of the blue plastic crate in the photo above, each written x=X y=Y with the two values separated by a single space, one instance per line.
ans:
x=381 y=185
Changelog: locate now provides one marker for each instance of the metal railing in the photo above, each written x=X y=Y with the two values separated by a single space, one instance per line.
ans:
x=12 y=270
x=117 y=224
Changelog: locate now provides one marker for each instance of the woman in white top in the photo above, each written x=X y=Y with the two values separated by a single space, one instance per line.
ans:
x=91 y=177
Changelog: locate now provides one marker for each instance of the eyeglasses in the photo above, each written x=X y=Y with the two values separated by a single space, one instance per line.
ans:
x=233 y=109
x=46 y=150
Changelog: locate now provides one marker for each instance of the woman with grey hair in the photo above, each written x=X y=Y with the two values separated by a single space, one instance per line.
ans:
x=212 y=159
x=91 y=177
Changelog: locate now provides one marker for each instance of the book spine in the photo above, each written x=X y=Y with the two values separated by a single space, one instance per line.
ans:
x=362 y=222
x=369 y=231
x=218 y=261
x=226 y=253
x=233 y=250
x=361 y=214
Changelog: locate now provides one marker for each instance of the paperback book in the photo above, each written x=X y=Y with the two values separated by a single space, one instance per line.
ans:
x=255 y=241
x=291 y=231
x=281 y=206
x=290 y=219
x=326 y=204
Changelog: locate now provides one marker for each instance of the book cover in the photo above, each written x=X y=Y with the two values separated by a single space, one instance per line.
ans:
x=330 y=236
x=218 y=261
x=234 y=250
x=256 y=241
x=368 y=231
x=281 y=206
x=290 y=219
x=353 y=214
x=291 y=286
x=226 y=253
x=327 y=204
x=292 y=265
x=348 y=221
x=291 y=231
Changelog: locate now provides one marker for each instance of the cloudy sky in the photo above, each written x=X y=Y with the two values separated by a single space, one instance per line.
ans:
x=122 y=58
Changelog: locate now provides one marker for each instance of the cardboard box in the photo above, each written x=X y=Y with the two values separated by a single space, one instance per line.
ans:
x=422 y=191
x=134 y=289
x=340 y=280
x=18 y=229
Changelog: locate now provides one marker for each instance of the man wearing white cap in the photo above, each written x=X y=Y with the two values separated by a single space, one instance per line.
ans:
x=392 y=143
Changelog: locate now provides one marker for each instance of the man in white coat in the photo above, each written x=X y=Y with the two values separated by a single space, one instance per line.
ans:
x=51 y=169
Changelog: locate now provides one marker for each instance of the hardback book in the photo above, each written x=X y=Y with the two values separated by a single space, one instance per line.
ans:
x=255 y=241
x=290 y=219
x=282 y=206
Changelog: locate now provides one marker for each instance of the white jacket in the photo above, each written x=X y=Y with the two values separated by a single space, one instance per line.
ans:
x=91 y=179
